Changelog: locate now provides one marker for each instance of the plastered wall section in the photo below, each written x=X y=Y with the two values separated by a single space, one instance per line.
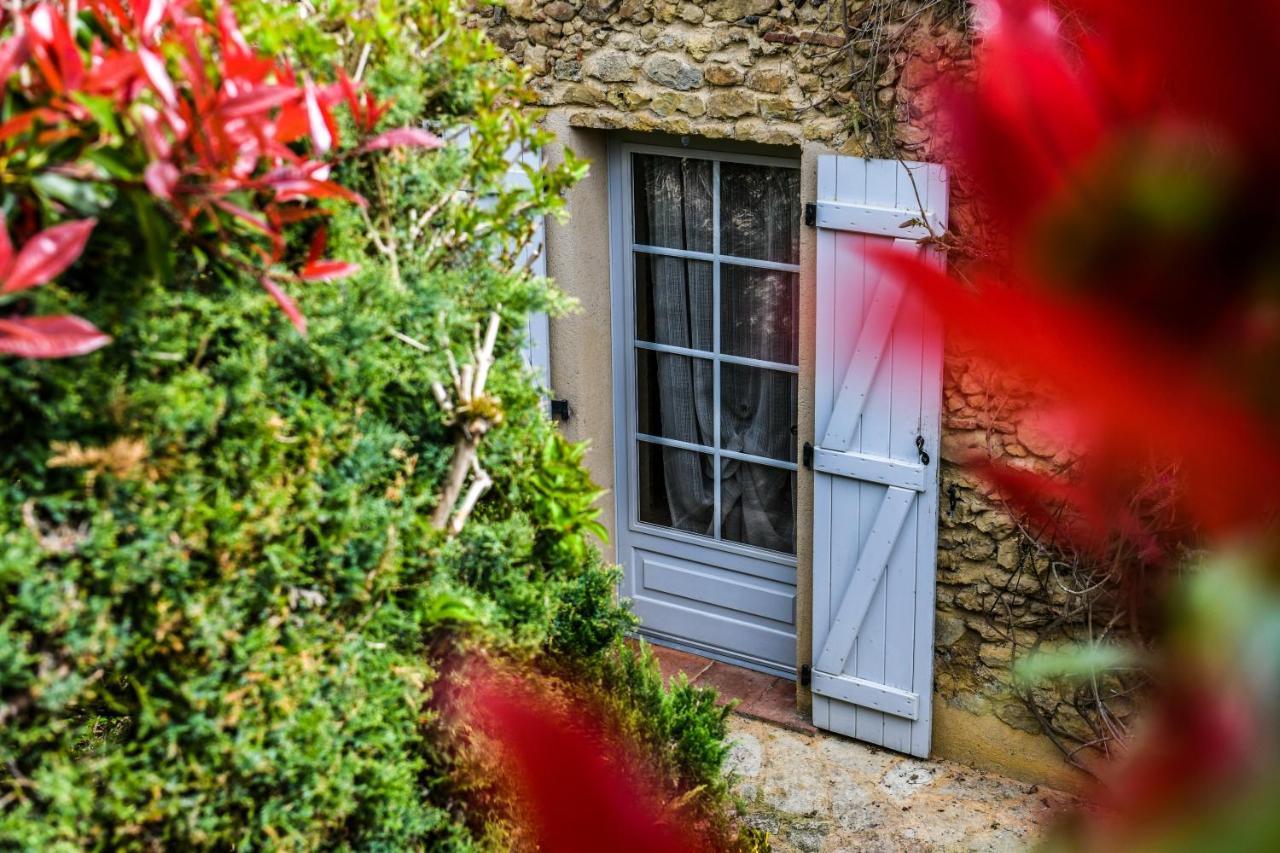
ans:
x=581 y=342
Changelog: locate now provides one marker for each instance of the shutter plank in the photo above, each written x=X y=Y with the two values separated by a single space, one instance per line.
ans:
x=866 y=577
x=868 y=694
x=867 y=355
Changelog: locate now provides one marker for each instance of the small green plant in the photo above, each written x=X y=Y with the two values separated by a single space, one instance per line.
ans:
x=563 y=494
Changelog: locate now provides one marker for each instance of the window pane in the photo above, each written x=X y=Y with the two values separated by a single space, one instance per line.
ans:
x=758 y=411
x=673 y=301
x=676 y=488
x=758 y=505
x=674 y=396
x=758 y=311
x=760 y=212
x=672 y=202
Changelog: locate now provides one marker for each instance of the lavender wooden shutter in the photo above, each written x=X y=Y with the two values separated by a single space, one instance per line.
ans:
x=878 y=389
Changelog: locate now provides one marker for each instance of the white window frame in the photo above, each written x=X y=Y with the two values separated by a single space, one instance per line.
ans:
x=622 y=273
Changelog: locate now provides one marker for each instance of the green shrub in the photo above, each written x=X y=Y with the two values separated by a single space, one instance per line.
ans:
x=222 y=604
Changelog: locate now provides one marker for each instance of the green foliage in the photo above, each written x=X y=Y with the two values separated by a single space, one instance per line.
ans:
x=221 y=599
x=563 y=496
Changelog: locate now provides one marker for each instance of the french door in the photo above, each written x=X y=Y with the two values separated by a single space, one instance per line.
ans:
x=705 y=278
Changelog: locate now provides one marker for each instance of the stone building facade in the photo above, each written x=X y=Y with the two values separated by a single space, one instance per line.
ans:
x=777 y=72
x=797 y=74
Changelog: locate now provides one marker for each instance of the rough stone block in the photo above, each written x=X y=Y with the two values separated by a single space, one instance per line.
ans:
x=731 y=104
x=736 y=10
x=673 y=72
x=568 y=69
x=770 y=80
x=610 y=66
x=559 y=11
x=723 y=75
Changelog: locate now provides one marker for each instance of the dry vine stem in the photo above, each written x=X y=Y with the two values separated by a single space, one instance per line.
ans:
x=472 y=413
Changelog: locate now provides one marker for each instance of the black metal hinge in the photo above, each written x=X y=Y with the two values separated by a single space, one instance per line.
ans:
x=811 y=214
x=560 y=410
x=806 y=455
x=806 y=675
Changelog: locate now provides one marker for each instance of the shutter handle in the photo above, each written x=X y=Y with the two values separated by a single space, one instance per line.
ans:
x=924 y=457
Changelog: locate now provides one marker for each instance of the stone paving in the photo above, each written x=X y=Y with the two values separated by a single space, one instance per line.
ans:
x=820 y=792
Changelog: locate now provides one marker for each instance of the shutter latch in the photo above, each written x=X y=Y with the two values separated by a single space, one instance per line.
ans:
x=806 y=455
x=924 y=457
x=811 y=214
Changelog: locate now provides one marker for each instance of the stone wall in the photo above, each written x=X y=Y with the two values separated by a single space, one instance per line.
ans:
x=768 y=71
x=785 y=72
x=991 y=596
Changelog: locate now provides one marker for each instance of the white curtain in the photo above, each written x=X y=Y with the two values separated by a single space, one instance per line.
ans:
x=677 y=200
x=757 y=319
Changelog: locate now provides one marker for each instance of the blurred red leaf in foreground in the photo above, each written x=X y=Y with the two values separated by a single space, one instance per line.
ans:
x=1124 y=157
x=578 y=786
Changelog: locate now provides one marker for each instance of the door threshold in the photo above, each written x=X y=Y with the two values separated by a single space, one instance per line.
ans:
x=755 y=694
x=659 y=639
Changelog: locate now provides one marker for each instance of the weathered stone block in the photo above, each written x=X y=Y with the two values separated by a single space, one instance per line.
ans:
x=633 y=10
x=673 y=72
x=535 y=58
x=723 y=75
x=541 y=34
x=767 y=132
x=582 y=93
x=731 y=104
x=735 y=10
x=771 y=80
x=626 y=98
x=777 y=108
x=948 y=631
x=610 y=66
x=559 y=11
x=568 y=69
x=667 y=103
x=700 y=44
x=523 y=10
x=598 y=10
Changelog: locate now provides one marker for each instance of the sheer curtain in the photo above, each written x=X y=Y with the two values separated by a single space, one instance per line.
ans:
x=759 y=220
x=678 y=204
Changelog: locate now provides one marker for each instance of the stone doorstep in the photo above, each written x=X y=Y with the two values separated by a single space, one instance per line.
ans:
x=758 y=695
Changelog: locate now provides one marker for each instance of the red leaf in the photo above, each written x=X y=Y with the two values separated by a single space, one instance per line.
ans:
x=50 y=337
x=581 y=788
x=233 y=41
x=286 y=304
x=47 y=254
x=349 y=93
x=1122 y=384
x=50 y=32
x=161 y=177
x=318 y=243
x=153 y=67
x=13 y=52
x=291 y=124
x=403 y=137
x=327 y=270
x=290 y=188
x=258 y=100
x=6 y=250
x=148 y=15
x=17 y=124
x=319 y=122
